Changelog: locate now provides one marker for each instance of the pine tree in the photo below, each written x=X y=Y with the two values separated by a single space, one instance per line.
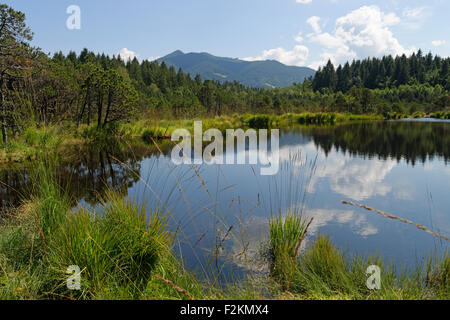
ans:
x=14 y=53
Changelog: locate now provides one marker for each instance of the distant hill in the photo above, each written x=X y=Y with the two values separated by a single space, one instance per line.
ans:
x=260 y=74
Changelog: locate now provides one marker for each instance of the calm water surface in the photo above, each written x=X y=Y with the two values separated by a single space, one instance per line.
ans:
x=220 y=213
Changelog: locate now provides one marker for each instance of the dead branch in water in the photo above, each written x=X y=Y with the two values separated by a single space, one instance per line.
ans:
x=391 y=216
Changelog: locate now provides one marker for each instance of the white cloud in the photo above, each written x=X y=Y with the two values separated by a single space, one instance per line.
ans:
x=126 y=54
x=438 y=43
x=414 y=13
x=414 y=18
x=303 y=1
x=360 y=180
x=299 y=38
x=356 y=221
x=153 y=58
x=314 y=23
x=360 y=34
x=295 y=57
x=364 y=32
x=353 y=178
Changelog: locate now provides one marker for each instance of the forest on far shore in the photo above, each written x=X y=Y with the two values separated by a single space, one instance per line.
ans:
x=89 y=88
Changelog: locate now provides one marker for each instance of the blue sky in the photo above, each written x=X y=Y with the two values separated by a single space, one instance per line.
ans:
x=295 y=32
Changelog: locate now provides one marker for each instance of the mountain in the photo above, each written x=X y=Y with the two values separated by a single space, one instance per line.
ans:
x=260 y=74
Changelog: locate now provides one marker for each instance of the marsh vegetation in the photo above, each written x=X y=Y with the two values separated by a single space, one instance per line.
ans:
x=85 y=180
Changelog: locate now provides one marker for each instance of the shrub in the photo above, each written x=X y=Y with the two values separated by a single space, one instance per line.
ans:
x=259 y=122
x=152 y=133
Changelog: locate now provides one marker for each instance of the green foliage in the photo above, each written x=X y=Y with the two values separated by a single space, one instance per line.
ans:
x=152 y=134
x=52 y=204
x=324 y=269
x=15 y=54
x=441 y=276
x=418 y=115
x=258 y=122
x=440 y=115
x=387 y=72
x=88 y=88
x=112 y=132
x=43 y=138
x=286 y=234
x=324 y=272
x=318 y=118
x=117 y=248
x=121 y=246
x=397 y=116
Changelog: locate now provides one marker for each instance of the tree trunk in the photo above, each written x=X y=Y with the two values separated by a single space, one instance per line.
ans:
x=3 y=114
x=89 y=113
x=99 y=111
x=3 y=119
x=108 y=108
x=80 y=116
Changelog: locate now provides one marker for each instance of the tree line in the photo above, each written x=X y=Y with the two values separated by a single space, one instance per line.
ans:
x=387 y=72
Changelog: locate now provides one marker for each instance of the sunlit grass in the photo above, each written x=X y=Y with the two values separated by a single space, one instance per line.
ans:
x=118 y=248
x=324 y=272
x=126 y=252
x=286 y=234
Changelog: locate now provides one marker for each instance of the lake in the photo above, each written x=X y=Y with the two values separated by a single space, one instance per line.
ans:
x=219 y=213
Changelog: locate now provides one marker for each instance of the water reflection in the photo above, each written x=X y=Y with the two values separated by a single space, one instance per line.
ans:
x=87 y=172
x=398 y=140
x=222 y=211
x=247 y=254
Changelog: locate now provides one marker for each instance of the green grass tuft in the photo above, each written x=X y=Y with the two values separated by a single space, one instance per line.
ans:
x=286 y=234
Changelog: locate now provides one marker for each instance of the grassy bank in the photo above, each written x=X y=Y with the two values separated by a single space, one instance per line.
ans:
x=125 y=252
x=122 y=251
x=34 y=141
x=63 y=137
x=324 y=272
x=442 y=115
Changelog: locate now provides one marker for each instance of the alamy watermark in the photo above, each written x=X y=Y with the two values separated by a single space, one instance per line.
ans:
x=258 y=151
x=74 y=280
x=374 y=280
x=73 y=22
